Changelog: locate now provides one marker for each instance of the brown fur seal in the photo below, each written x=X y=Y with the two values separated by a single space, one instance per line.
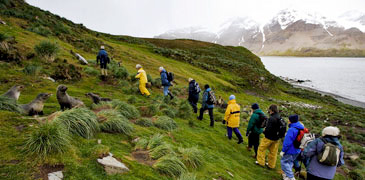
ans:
x=96 y=98
x=14 y=92
x=65 y=100
x=36 y=106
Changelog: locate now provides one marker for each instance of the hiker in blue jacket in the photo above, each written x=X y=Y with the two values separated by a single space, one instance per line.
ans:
x=289 y=152
x=165 y=82
x=316 y=170
x=103 y=58
x=207 y=106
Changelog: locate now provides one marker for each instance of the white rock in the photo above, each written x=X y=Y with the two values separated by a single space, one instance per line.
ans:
x=58 y=175
x=112 y=165
x=81 y=59
x=230 y=173
x=136 y=140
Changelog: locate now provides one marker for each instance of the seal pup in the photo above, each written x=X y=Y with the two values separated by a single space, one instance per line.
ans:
x=36 y=106
x=14 y=92
x=96 y=98
x=66 y=101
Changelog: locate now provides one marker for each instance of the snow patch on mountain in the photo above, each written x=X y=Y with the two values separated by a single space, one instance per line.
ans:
x=352 y=19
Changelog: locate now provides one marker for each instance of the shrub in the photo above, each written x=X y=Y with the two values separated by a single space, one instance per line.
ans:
x=155 y=141
x=47 y=50
x=127 y=110
x=150 y=110
x=161 y=150
x=32 y=69
x=191 y=157
x=100 y=150
x=3 y=37
x=115 y=123
x=166 y=123
x=49 y=138
x=141 y=144
x=356 y=175
x=169 y=112
x=132 y=100
x=91 y=71
x=218 y=117
x=79 y=121
x=146 y=122
x=8 y=104
x=132 y=77
x=157 y=82
x=170 y=165
x=184 y=110
x=164 y=106
x=120 y=72
x=187 y=176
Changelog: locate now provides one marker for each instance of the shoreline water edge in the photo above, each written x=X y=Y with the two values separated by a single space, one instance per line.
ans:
x=337 y=97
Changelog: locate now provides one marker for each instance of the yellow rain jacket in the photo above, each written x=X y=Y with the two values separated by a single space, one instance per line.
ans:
x=142 y=76
x=232 y=115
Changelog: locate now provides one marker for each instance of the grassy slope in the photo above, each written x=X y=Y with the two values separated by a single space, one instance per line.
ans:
x=220 y=154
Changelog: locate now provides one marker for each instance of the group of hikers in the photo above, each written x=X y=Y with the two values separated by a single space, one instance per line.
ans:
x=321 y=156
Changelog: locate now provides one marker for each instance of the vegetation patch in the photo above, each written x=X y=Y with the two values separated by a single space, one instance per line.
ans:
x=141 y=144
x=49 y=138
x=170 y=165
x=165 y=123
x=47 y=50
x=187 y=176
x=161 y=150
x=115 y=122
x=79 y=121
x=146 y=122
x=91 y=71
x=169 y=112
x=184 y=110
x=8 y=104
x=191 y=157
x=155 y=141
x=127 y=110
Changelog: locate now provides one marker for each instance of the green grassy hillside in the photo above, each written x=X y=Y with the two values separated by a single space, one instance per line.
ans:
x=206 y=152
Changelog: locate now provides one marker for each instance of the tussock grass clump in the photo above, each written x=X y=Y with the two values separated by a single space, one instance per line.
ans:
x=115 y=122
x=169 y=112
x=184 y=110
x=79 y=121
x=187 y=176
x=170 y=165
x=166 y=123
x=91 y=71
x=164 y=106
x=161 y=150
x=49 y=138
x=191 y=157
x=132 y=100
x=155 y=141
x=146 y=122
x=127 y=110
x=100 y=150
x=141 y=144
x=157 y=83
x=8 y=104
x=47 y=50
x=32 y=69
x=120 y=72
x=150 y=110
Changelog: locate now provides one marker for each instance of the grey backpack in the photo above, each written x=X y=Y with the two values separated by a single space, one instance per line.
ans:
x=330 y=154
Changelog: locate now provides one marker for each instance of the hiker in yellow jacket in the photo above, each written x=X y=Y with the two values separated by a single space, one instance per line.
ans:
x=232 y=117
x=142 y=76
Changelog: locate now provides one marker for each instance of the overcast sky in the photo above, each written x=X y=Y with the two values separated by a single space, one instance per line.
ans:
x=147 y=18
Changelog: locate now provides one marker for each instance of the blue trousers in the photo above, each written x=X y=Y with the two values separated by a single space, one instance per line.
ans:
x=287 y=162
x=166 y=90
x=236 y=131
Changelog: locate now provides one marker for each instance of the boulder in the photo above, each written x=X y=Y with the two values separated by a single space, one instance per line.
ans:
x=58 y=175
x=112 y=165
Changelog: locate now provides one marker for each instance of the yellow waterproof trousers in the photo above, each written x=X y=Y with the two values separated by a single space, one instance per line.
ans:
x=143 y=89
x=273 y=147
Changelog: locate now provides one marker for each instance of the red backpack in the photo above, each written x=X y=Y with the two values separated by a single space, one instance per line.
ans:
x=298 y=140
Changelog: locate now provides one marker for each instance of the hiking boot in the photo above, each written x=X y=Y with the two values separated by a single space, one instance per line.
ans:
x=240 y=141
x=249 y=149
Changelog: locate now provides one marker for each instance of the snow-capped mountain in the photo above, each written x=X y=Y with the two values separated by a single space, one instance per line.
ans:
x=288 y=31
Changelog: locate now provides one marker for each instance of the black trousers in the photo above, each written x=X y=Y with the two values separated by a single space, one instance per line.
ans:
x=254 y=140
x=210 y=114
x=193 y=102
x=312 y=177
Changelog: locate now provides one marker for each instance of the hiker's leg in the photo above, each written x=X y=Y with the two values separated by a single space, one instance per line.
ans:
x=211 y=116
x=261 y=152
x=273 y=154
x=229 y=132
x=287 y=164
x=165 y=90
x=143 y=89
x=106 y=71
x=202 y=109
x=238 y=133
x=256 y=143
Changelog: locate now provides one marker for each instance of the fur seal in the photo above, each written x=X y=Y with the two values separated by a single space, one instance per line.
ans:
x=96 y=98
x=65 y=100
x=14 y=92
x=36 y=106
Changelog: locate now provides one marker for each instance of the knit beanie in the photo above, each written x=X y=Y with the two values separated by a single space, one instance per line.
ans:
x=293 y=118
x=231 y=97
x=255 y=106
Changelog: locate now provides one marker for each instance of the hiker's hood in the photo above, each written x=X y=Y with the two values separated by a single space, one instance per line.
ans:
x=297 y=125
x=208 y=90
x=257 y=111
x=233 y=101
x=332 y=139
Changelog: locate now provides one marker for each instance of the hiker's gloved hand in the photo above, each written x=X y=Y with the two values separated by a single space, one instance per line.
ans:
x=224 y=122
x=247 y=133
x=282 y=153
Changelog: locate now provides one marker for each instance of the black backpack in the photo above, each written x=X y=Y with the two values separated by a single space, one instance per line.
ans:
x=170 y=76
x=282 y=128
x=261 y=123
x=211 y=98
